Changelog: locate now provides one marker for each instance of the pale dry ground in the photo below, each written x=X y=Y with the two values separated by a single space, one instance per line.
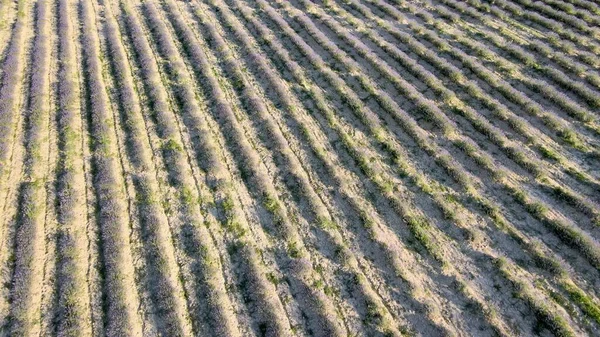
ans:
x=299 y=168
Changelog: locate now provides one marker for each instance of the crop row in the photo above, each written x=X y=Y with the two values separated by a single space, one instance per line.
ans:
x=200 y=268
x=531 y=107
x=359 y=205
x=29 y=240
x=72 y=293
x=450 y=130
x=302 y=184
x=163 y=276
x=586 y=94
x=319 y=309
x=511 y=148
x=13 y=100
x=112 y=217
x=327 y=168
x=13 y=68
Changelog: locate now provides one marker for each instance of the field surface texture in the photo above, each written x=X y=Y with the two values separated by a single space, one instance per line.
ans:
x=299 y=168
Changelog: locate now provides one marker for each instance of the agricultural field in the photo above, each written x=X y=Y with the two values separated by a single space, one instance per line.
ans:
x=299 y=168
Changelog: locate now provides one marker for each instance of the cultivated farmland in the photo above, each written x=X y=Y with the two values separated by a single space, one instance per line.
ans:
x=299 y=168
